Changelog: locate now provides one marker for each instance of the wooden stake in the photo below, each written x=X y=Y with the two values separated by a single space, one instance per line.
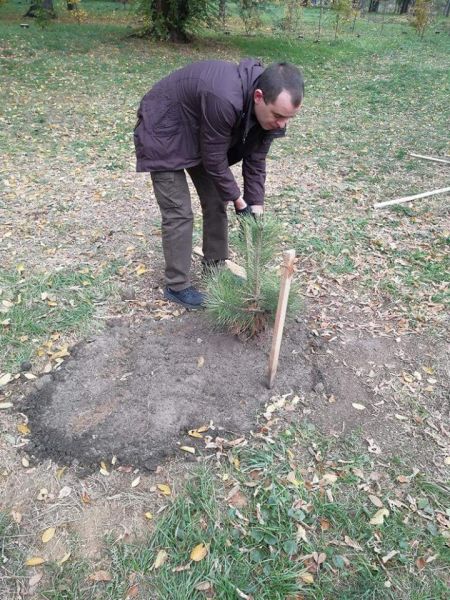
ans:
x=408 y=198
x=433 y=158
x=286 y=278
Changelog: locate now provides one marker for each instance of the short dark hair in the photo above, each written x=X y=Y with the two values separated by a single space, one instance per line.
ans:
x=281 y=76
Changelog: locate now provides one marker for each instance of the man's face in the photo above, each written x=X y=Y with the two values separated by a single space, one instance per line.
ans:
x=274 y=115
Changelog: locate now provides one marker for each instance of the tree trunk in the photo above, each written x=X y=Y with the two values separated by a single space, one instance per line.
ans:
x=223 y=12
x=373 y=5
x=46 y=5
x=447 y=9
x=403 y=6
x=170 y=18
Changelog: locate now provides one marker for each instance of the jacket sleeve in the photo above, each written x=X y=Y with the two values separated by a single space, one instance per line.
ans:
x=254 y=173
x=218 y=119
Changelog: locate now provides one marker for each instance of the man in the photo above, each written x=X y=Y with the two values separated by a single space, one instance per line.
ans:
x=202 y=119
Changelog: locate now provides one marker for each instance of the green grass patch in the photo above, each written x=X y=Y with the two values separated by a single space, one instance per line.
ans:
x=276 y=524
x=36 y=306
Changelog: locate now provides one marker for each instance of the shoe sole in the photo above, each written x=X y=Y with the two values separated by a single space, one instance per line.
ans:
x=168 y=296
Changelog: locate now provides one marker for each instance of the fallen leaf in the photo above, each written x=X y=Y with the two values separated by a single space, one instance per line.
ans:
x=48 y=534
x=141 y=269
x=236 y=498
x=329 y=478
x=203 y=586
x=100 y=576
x=200 y=362
x=161 y=558
x=378 y=517
x=358 y=406
x=136 y=482
x=301 y=533
x=351 y=543
x=65 y=558
x=16 y=516
x=25 y=462
x=5 y=378
x=447 y=460
x=199 y=552
x=307 y=578
x=291 y=478
x=389 y=556
x=33 y=581
x=202 y=429
x=376 y=501
x=324 y=524
x=189 y=449
x=23 y=429
x=372 y=447
x=194 y=433
x=164 y=489
x=64 y=492
x=85 y=498
x=420 y=563
x=35 y=561
x=5 y=405
x=132 y=592
x=148 y=515
x=401 y=417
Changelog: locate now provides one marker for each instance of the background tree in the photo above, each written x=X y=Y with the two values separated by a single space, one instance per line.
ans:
x=422 y=16
x=175 y=20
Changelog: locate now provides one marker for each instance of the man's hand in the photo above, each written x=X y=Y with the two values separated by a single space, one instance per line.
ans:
x=242 y=208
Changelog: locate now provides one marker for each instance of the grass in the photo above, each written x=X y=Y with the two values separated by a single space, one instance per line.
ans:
x=266 y=514
x=37 y=307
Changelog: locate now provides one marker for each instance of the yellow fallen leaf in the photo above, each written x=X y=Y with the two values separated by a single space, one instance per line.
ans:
x=64 y=351
x=358 y=406
x=64 y=559
x=141 y=269
x=378 y=517
x=148 y=515
x=34 y=561
x=164 y=488
x=203 y=428
x=136 y=481
x=189 y=449
x=161 y=558
x=20 y=268
x=307 y=578
x=23 y=429
x=48 y=534
x=199 y=552
x=291 y=478
x=194 y=433
x=236 y=463
x=60 y=472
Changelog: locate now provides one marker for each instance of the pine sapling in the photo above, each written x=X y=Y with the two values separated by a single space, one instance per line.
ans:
x=246 y=307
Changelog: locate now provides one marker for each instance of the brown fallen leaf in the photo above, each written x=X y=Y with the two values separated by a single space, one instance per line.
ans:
x=203 y=586
x=100 y=576
x=236 y=498
x=376 y=501
x=132 y=592
x=351 y=543
x=324 y=524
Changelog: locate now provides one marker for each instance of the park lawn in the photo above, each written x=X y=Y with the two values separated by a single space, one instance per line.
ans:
x=286 y=514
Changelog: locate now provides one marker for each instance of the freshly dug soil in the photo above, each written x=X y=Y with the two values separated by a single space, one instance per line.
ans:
x=134 y=393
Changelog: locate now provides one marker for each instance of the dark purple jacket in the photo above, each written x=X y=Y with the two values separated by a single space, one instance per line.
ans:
x=203 y=113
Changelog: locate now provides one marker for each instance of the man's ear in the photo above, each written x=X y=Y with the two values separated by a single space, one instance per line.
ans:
x=258 y=96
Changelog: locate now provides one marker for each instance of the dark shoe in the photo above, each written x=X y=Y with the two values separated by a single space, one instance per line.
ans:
x=210 y=265
x=189 y=297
